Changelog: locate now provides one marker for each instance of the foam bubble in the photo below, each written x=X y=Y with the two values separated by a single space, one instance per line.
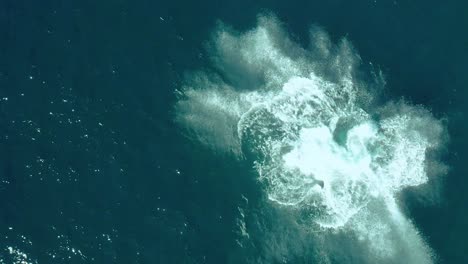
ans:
x=297 y=114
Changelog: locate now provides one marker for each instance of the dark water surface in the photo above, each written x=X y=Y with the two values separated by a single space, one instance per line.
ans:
x=94 y=170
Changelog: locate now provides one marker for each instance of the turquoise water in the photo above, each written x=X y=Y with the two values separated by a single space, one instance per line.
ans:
x=105 y=157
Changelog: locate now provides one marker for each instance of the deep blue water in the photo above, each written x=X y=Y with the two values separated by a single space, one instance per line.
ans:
x=93 y=168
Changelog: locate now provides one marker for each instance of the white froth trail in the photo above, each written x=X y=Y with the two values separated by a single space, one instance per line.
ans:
x=297 y=113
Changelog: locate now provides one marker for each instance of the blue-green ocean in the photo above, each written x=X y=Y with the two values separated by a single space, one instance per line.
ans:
x=155 y=131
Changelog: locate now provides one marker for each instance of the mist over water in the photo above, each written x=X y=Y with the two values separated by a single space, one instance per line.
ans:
x=325 y=152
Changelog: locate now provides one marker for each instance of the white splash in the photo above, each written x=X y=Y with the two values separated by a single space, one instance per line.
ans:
x=317 y=147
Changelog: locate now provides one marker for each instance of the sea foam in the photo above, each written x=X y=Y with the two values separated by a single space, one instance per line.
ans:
x=316 y=138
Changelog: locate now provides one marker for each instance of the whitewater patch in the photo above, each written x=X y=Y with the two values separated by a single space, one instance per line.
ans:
x=319 y=143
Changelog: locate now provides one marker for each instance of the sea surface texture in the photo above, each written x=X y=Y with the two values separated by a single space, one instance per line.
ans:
x=325 y=132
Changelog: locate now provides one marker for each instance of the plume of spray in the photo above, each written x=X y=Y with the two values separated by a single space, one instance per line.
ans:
x=321 y=145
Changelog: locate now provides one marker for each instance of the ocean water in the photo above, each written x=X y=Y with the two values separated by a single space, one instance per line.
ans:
x=236 y=132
